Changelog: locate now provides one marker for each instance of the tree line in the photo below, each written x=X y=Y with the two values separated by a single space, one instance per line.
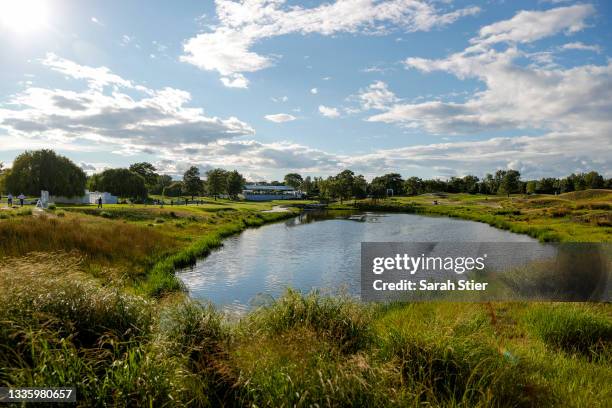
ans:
x=33 y=171
x=346 y=184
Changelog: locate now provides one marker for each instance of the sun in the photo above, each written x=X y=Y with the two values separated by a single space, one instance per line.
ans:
x=23 y=16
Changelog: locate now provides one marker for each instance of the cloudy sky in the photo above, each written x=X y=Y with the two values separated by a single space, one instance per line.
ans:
x=422 y=87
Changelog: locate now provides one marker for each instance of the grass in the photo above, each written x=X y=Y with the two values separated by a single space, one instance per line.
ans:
x=582 y=216
x=89 y=298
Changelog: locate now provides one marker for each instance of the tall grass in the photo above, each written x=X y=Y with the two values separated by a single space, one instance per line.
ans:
x=338 y=319
x=573 y=330
x=108 y=242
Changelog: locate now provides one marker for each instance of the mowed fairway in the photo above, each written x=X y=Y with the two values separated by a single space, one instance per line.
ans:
x=89 y=298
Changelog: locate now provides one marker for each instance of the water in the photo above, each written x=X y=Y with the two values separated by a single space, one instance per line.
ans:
x=315 y=250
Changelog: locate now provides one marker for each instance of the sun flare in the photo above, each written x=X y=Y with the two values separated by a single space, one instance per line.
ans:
x=23 y=16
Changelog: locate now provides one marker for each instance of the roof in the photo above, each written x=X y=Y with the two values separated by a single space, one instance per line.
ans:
x=271 y=188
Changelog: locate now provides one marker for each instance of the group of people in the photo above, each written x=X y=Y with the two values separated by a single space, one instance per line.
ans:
x=9 y=199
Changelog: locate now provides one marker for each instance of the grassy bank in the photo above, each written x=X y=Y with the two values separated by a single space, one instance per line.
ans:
x=582 y=216
x=89 y=298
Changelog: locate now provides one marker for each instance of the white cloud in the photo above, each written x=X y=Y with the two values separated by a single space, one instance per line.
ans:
x=280 y=99
x=328 y=112
x=103 y=116
x=235 y=81
x=314 y=91
x=96 y=21
x=280 y=117
x=541 y=95
x=581 y=46
x=529 y=26
x=227 y=47
x=376 y=96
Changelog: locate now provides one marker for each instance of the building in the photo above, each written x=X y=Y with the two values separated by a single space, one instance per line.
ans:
x=90 y=197
x=255 y=192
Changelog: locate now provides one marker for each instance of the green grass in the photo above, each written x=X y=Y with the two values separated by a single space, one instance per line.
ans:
x=90 y=298
x=573 y=217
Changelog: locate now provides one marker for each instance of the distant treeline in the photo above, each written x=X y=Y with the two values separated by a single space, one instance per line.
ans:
x=347 y=185
x=34 y=171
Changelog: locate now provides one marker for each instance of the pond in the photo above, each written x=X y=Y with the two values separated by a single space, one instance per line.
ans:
x=316 y=250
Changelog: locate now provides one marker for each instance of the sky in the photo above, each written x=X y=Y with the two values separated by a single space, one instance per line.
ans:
x=433 y=89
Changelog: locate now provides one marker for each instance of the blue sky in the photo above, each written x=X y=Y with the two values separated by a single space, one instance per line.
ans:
x=425 y=88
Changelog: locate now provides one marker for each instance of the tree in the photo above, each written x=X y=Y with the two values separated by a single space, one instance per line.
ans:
x=378 y=188
x=344 y=182
x=546 y=185
x=531 y=187
x=293 y=180
x=394 y=181
x=413 y=186
x=593 y=179
x=509 y=181
x=120 y=182
x=147 y=171
x=235 y=184
x=38 y=170
x=470 y=184
x=163 y=181
x=307 y=186
x=360 y=187
x=216 y=182
x=192 y=184
x=174 y=190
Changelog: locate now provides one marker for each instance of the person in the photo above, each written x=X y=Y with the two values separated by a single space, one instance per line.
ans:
x=21 y=197
x=99 y=202
x=9 y=200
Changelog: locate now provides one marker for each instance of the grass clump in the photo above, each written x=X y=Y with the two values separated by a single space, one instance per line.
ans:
x=572 y=329
x=339 y=319
x=459 y=371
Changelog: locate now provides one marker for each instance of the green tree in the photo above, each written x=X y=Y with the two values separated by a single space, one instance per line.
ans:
x=345 y=180
x=394 y=181
x=531 y=187
x=360 y=187
x=192 y=183
x=546 y=185
x=509 y=183
x=378 y=188
x=470 y=184
x=38 y=170
x=120 y=182
x=163 y=181
x=593 y=179
x=216 y=182
x=147 y=171
x=293 y=180
x=307 y=186
x=235 y=183
x=174 y=190
x=413 y=186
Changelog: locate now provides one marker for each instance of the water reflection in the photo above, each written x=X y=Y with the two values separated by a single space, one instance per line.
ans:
x=318 y=249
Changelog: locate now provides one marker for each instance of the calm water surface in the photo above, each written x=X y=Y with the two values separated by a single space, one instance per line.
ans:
x=315 y=251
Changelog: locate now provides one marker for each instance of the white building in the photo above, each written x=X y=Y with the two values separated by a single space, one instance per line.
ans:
x=90 y=197
x=254 y=192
